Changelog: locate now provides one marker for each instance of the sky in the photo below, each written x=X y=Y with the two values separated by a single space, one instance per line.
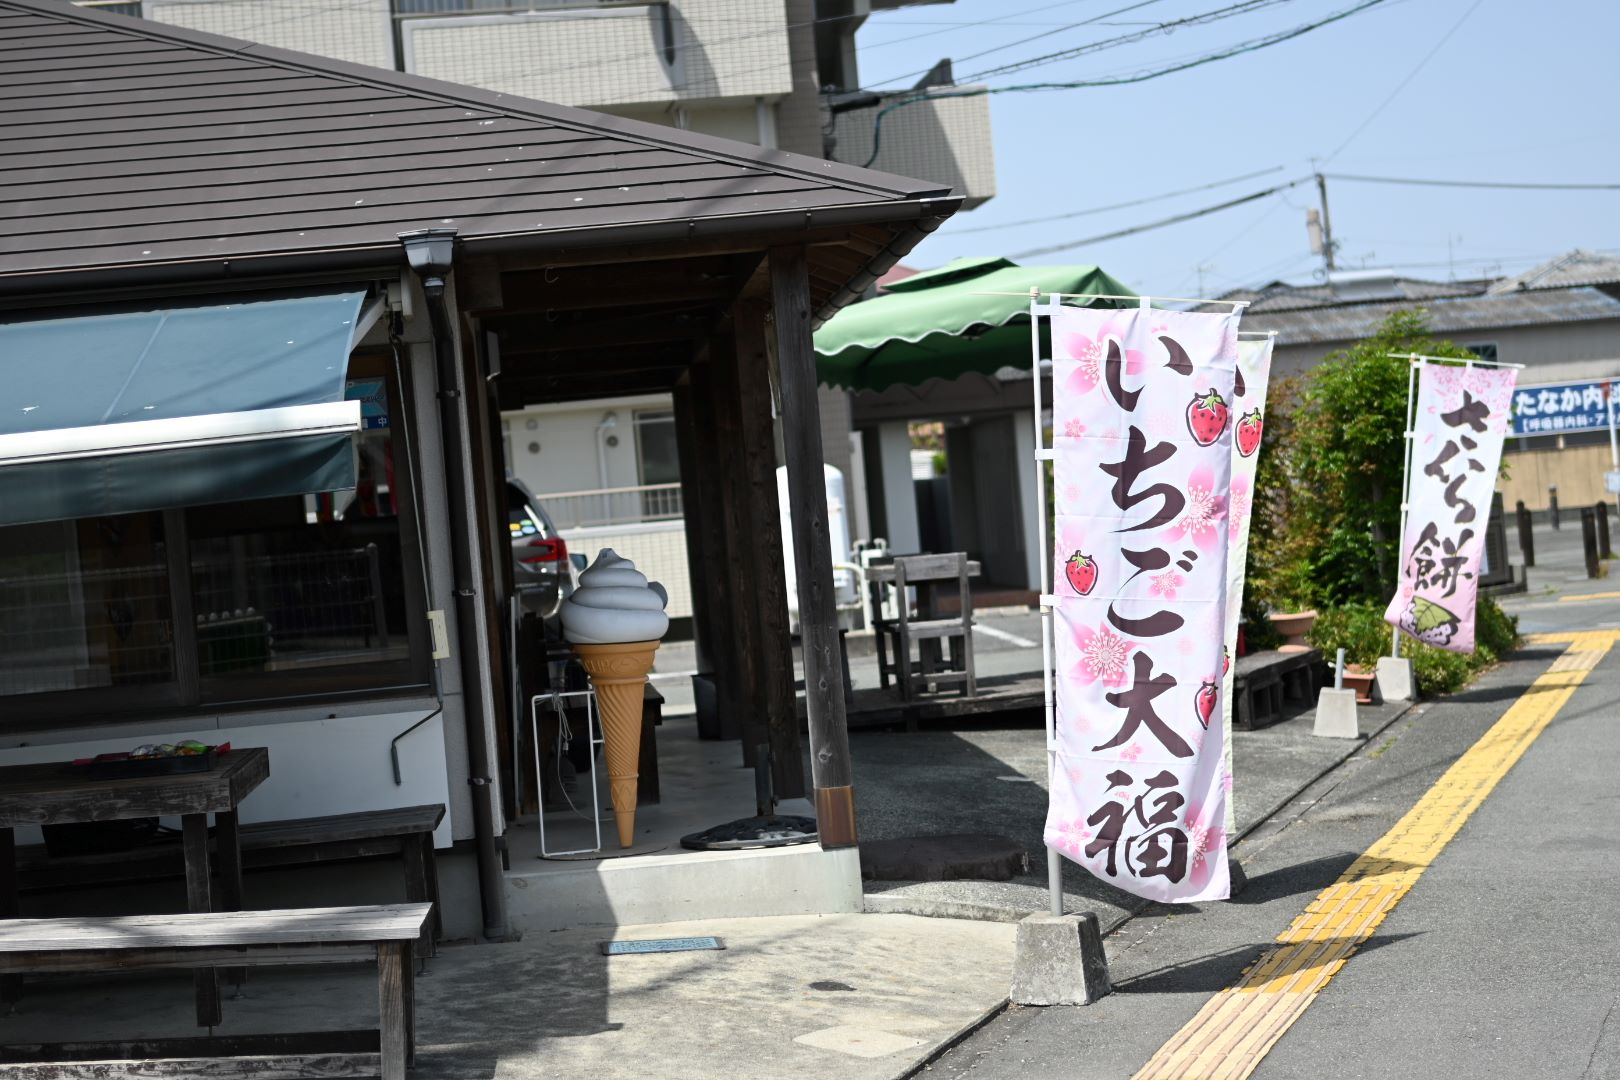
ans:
x=1517 y=92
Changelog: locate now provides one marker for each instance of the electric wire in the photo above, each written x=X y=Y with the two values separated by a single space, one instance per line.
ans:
x=1117 y=206
x=1244 y=7
x=1163 y=222
x=1252 y=45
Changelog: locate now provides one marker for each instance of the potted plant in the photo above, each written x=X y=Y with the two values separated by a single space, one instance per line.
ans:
x=1361 y=681
x=1293 y=626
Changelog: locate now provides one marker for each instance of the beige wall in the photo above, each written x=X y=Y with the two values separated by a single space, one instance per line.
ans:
x=725 y=49
x=355 y=30
x=946 y=141
x=1577 y=472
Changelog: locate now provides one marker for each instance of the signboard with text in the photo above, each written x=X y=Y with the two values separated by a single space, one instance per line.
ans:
x=1560 y=408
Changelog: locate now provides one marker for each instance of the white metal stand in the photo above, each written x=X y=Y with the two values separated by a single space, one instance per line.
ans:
x=592 y=724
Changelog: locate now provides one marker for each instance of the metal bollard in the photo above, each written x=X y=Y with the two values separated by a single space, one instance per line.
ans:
x=1589 y=542
x=1601 y=512
x=1527 y=539
x=1552 y=504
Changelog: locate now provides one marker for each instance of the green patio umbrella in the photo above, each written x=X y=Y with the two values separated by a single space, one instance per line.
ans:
x=939 y=324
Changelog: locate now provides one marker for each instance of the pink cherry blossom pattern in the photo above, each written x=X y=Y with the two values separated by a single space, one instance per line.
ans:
x=1102 y=656
x=1073 y=428
x=1201 y=515
x=1237 y=511
x=1205 y=839
x=1132 y=752
x=1167 y=583
x=1091 y=354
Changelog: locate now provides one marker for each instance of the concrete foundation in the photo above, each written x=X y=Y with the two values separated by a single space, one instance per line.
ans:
x=1059 y=960
x=703 y=784
x=1395 y=678
x=1336 y=715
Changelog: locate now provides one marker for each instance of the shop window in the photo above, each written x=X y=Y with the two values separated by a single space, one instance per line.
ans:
x=253 y=600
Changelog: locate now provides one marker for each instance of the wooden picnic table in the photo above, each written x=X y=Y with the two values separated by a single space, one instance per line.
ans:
x=60 y=793
x=883 y=573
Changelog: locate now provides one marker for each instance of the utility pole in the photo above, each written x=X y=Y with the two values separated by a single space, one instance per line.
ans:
x=1327 y=223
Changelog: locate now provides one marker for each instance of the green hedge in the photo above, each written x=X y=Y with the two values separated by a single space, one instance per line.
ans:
x=1360 y=630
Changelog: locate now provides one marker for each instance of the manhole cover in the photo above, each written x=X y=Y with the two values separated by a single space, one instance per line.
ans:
x=755 y=832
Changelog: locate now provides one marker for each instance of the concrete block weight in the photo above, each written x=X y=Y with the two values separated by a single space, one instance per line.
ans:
x=1059 y=960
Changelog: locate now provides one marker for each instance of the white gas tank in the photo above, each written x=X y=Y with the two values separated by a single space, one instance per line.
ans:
x=838 y=529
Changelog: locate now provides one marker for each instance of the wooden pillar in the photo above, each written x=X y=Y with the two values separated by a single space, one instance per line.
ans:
x=780 y=719
x=833 y=774
x=741 y=615
x=706 y=546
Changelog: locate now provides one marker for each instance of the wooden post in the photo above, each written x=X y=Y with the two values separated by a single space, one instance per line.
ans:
x=696 y=441
x=780 y=720
x=199 y=897
x=832 y=771
x=741 y=618
x=392 y=968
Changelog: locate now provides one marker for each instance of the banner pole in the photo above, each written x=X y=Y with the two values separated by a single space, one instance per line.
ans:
x=1614 y=441
x=1054 y=861
x=1406 y=493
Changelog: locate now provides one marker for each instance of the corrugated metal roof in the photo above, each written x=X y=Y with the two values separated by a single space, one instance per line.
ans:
x=1281 y=296
x=1446 y=316
x=135 y=144
x=1575 y=268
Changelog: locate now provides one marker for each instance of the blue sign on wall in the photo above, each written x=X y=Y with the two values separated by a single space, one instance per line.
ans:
x=372 y=394
x=1560 y=408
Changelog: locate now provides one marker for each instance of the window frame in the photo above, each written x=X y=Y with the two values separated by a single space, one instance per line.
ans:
x=189 y=694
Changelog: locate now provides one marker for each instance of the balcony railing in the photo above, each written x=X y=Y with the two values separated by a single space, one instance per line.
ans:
x=613 y=506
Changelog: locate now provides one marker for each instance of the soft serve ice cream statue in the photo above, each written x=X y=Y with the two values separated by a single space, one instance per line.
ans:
x=614 y=622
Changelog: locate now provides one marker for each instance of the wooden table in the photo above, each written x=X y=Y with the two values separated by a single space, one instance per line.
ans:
x=56 y=793
x=883 y=573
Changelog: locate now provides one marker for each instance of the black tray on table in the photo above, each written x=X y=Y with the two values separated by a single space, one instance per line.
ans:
x=132 y=768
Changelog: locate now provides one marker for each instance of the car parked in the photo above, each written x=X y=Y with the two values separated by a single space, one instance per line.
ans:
x=542 y=572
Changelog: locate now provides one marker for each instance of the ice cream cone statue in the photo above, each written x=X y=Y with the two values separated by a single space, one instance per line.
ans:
x=614 y=622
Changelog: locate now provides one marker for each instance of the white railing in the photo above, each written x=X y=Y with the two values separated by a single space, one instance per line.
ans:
x=613 y=506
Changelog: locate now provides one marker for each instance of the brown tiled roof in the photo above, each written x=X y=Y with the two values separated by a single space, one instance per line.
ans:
x=152 y=151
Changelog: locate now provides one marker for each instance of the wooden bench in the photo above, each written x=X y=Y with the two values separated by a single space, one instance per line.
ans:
x=385 y=935
x=1265 y=682
x=405 y=831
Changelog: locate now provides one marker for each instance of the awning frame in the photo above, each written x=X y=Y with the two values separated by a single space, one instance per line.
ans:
x=145 y=436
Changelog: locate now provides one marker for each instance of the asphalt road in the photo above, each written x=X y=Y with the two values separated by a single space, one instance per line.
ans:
x=1503 y=959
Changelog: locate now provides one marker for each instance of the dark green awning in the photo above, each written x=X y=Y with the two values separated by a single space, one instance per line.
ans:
x=150 y=410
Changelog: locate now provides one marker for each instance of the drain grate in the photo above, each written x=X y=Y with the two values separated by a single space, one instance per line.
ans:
x=661 y=945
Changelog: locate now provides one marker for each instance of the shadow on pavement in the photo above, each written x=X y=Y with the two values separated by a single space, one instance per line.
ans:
x=1214 y=972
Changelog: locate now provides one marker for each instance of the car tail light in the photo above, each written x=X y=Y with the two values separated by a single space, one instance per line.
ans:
x=547 y=550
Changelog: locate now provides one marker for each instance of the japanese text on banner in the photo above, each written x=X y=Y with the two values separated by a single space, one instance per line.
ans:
x=1462 y=420
x=1142 y=441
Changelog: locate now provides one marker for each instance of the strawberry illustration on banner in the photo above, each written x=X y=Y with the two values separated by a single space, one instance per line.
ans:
x=1143 y=410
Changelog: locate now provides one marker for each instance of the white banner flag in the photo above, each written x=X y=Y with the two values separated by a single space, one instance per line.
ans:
x=1142 y=439
x=1248 y=419
x=1462 y=421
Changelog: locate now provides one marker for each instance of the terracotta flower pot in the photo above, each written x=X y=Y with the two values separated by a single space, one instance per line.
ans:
x=1293 y=626
x=1359 y=681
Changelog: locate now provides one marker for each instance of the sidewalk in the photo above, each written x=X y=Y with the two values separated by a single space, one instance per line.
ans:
x=994 y=780
x=837 y=997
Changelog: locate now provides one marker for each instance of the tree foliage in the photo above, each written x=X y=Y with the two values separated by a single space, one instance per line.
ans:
x=1329 y=534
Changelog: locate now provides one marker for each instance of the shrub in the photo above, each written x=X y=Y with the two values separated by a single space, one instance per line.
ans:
x=1360 y=630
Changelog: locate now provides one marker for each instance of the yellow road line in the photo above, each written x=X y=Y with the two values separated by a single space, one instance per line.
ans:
x=1235 y=1030
x=1589 y=596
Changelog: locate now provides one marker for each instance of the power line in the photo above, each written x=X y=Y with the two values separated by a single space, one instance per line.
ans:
x=1117 y=206
x=1174 y=220
x=1252 y=45
x=1504 y=185
x=1393 y=94
x=1022 y=41
x=1244 y=7
x=934 y=33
